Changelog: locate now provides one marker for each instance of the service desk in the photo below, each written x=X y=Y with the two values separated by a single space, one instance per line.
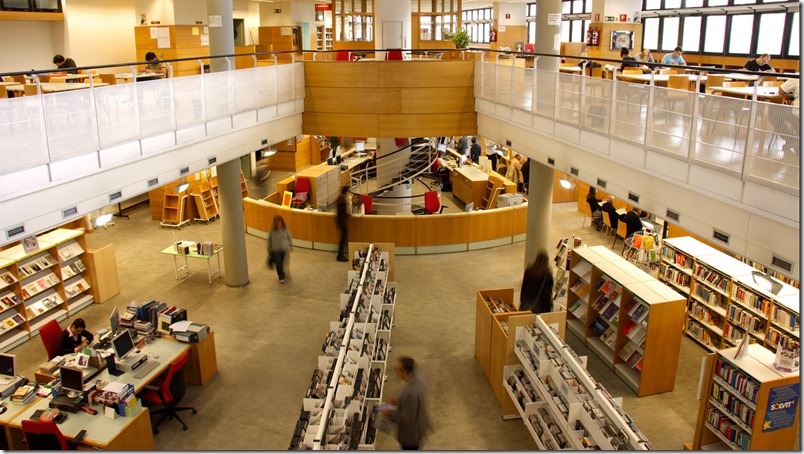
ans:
x=12 y=412
x=468 y=184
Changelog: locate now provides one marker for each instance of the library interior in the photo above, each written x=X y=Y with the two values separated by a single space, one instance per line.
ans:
x=572 y=215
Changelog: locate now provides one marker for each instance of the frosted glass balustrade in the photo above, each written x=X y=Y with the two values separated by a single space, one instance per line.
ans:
x=70 y=124
x=22 y=134
x=117 y=114
x=157 y=114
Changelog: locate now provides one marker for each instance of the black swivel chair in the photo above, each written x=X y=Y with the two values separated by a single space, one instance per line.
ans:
x=169 y=391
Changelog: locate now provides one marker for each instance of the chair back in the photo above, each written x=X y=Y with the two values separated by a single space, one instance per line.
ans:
x=343 y=55
x=667 y=71
x=678 y=82
x=44 y=78
x=715 y=80
x=3 y=92
x=50 y=333
x=606 y=219
x=43 y=435
x=740 y=83
x=19 y=78
x=30 y=90
x=622 y=229
x=431 y=202
x=632 y=71
x=108 y=79
x=393 y=54
x=175 y=383
x=530 y=47
x=366 y=199
x=302 y=184
x=769 y=79
x=583 y=206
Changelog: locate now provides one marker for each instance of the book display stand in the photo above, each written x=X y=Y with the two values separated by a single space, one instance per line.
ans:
x=563 y=406
x=338 y=411
x=48 y=283
x=627 y=317
x=746 y=403
x=728 y=299
x=562 y=263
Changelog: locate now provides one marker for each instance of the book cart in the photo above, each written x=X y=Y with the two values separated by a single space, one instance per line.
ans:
x=627 y=317
x=746 y=403
x=49 y=283
x=563 y=406
x=726 y=301
x=338 y=410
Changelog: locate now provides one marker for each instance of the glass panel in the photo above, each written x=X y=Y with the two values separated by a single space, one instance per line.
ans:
x=438 y=28
x=17 y=4
x=770 y=33
x=588 y=7
x=672 y=4
x=742 y=27
x=715 y=34
x=651 y=38
x=653 y=4
x=691 y=40
x=424 y=27
x=693 y=3
x=577 y=6
x=744 y=2
x=565 y=31
x=670 y=33
x=46 y=5
x=576 y=31
x=565 y=7
x=795 y=36
x=414 y=6
x=718 y=2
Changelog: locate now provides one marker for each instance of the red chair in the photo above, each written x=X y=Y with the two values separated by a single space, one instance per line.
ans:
x=50 y=333
x=366 y=199
x=302 y=192
x=393 y=54
x=45 y=435
x=169 y=391
x=530 y=47
x=431 y=203
x=343 y=55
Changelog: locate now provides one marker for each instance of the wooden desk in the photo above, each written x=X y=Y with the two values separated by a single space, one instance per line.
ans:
x=658 y=79
x=744 y=77
x=121 y=433
x=68 y=77
x=202 y=364
x=12 y=412
x=764 y=93
x=128 y=77
x=570 y=69
x=168 y=350
x=468 y=184
x=54 y=87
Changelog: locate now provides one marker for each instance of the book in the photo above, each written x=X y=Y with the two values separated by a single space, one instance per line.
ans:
x=609 y=311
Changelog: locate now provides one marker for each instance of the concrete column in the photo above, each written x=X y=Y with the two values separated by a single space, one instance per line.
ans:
x=548 y=37
x=540 y=207
x=233 y=231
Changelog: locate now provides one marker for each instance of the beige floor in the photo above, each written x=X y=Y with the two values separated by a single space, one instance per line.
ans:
x=269 y=336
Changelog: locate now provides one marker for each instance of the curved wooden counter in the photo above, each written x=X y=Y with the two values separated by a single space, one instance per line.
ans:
x=411 y=234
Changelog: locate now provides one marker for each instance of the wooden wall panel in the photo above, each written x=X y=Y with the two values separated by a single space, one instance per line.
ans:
x=345 y=124
x=437 y=100
x=426 y=125
x=434 y=230
x=340 y=74
x=400 y=230
x=325 y=229
x=490 y=224
x=426 y=74
x=561 y=194
x=520 y=219
x=355 y=100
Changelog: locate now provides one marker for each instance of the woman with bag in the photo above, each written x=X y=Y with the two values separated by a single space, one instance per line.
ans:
x=279 y=246
x=537 y=287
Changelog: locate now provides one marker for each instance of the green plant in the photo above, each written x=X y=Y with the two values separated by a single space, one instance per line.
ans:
x=461 y=38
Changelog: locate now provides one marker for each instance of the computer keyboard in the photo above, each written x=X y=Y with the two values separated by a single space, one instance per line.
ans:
x=146 y=369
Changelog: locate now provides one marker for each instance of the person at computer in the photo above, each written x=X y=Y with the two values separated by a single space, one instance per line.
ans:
x=608 y=207
x=75 y=337
x=633 y=223
x=674 y=58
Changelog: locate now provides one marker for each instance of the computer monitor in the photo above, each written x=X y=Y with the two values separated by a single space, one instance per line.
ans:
x=114 y=322
x=462 y=160
x=8 y=365
x=442 y=147
x=72 y=379
x=122 y=344
x=360 y=147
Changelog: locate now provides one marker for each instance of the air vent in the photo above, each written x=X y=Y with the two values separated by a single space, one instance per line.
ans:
x=211 y=161
x=574 y=171
x=115 y=195
x=184 y=171
x=15 y=231
x=782 y=264
x=551 y=161
x=601 y=183
x=264 y=141
x=508 y=143
x=673 y=215
x=153 y=182
x=721 y=236
x=633 y=197
x=69 y=212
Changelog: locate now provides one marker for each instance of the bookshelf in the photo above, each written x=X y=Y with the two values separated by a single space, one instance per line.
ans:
x=627 y=317
x=323 y=36
x=50 y=283
x=205 y=203
x=338 y=409
x=560 y=403
x=746 y=403
x=725 y=302
x=562 y=261
x=173 y=208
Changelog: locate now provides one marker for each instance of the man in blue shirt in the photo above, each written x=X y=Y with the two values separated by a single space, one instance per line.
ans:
x=674 y=58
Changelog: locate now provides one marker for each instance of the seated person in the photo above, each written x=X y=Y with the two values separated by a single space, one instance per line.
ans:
x=645 y=56
x=761 y=63
x=594 y=208
x=632 y=222
x=65 y=64
x=75 y=337
x=675 y=58
x=609 y=208
x=627 y=60
x=154 y=66
x=440 y=170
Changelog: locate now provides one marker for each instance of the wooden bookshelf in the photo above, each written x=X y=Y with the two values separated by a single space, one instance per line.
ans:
x=627 y=317
x=746 y=403
x=205 y=203
x=173 y=214
x=725 y=303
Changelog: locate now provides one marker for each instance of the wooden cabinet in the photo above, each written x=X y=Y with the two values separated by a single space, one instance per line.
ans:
x=279 y=39
x=468 y=184
x=202 y=363
x=102 y=264
x=325 y=183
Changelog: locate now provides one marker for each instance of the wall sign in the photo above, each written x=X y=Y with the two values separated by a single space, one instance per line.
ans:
x=323 y=7
x=782 y=408
x=554 y=19
x=507 y=16
x=215 y=21
x=623 y=17
x=597 y=17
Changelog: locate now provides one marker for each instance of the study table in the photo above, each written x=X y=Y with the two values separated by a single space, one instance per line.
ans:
x=765 y=93
x=68 y=77
x=171 y=250
x=570 y=69
x=128 y=77
x=54 y=87
x=657 y=78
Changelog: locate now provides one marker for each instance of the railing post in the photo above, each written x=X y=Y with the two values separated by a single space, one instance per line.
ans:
x=650 y=107
x=276 y=84
x=293 y=77
x=694 y=117
x=752 y=117
x=535 y=85
x=41 y=100
x=254 y=59
x=582 y=98
x=513 y=76
x=483 y=75
x=496 y=77
x=203 y=95
x=613 y=101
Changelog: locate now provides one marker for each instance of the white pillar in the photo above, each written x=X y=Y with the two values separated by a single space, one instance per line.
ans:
x=540 y=207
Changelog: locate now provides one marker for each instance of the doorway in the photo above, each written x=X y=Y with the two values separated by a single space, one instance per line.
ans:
x=239 y=32
x=392 y=35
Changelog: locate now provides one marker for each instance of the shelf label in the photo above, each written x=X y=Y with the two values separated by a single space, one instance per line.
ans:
x=782 y=408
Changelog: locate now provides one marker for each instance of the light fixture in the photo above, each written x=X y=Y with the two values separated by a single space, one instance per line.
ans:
x=103 y=219
x=567 y=184
x=269 y=152
x=181 y=187
x=765 y=281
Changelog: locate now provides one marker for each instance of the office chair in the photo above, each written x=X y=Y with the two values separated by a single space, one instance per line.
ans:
x=50 y=333
x=530 y=47
x=45 y=435
x=302 y=192
x=431 y=203
x=168 y=392
x=110 y=79
x=343 y=56
x=393 y=54
x=366 y=199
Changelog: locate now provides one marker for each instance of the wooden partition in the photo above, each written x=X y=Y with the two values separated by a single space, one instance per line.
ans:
x=185 y=42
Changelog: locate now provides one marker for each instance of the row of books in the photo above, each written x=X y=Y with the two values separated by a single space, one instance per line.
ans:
x=675 y=276
x=785 y=318
x=737 y=379
x=746 y=320
x=633 y=356
x=751 y=299
x=8 y=300
x=12 y=322
x=676 y=257
x=7 y=279
x=611 y=313
x=498 y=306
x=636 y=309
x=701 y=334
x=635 y=331
x=714 y=278
x=711 y=297
x=580 y=288
x=77 y=267
x=734 y=405
x=704 y=314
x=69 y=250
x=76 y=288
x=45 y=304
x=732 y=334
x=578 y=309
x=34 y=266
x=40 y=285
x=728 y=428
x=520 y=386
x=775 y=337
x=23 y=395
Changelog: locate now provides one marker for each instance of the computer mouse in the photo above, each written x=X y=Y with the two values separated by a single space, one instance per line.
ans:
x=156 y=356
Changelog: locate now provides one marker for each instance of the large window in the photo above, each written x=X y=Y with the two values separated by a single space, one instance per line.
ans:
x=715 y=34
x=769 y=27
x=741 y=29
x=354 y=20
x=438 y=19
x=651 y=33
x=795 y=35
x=691 y=38
x=530 y=19
x=670 y=32
x=478 y=23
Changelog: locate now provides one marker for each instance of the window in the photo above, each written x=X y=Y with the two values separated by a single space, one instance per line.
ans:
x=744 y=2
x=650 y=39
x=476 y=21
x=741 y=30
x=693 y=3
x=691 y=38
x=672 y=4
x=670 y=33
x=769 y=39
x=531 y=21
x=577 y=6
x=575 y=31
x=653 y=4
x=795 y=36
x=565 y=7
x=715 y=34
x=565 y=31
x=718 y=2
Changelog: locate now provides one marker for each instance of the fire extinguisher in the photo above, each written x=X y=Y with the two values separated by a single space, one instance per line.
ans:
x=589 y=36
x=492 y=36
x=595 y=36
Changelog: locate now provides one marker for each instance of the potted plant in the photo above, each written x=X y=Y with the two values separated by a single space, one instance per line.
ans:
x=461 y=39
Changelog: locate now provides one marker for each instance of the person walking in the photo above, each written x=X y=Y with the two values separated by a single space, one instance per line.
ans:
x=342 y=218
x=279 y=247
x=536 y=294
x=410 y=414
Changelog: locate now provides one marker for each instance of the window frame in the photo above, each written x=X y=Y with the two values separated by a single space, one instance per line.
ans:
x=478 y=20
